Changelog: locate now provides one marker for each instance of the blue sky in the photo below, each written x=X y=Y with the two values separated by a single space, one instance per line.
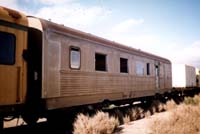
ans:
x=169 y=28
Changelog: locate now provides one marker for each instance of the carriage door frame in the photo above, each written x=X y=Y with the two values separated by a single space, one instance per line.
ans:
x=13 y=75
x=157 y=75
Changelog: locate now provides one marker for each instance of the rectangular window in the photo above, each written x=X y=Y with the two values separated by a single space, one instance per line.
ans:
x=100 y=62
x=139 y=68
x=123 y=65
x=148 y=68
x=75 y=58
x=7 y=48
x=157 y=70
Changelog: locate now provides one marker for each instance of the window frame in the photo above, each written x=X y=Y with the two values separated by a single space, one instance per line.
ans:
x=70 y=49
x=148 y=69
x=139 y=64
x=14 y=53
x=106 y=66
x=127 y=68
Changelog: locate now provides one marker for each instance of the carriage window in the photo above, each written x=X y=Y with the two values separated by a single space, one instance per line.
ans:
x=139 y=68
x=123 y=65
x=148 y=68
x=100 y=62
x=7 y=48
x=75 y=59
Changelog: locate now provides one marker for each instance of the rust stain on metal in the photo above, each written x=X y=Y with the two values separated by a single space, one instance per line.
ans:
x=12 y=13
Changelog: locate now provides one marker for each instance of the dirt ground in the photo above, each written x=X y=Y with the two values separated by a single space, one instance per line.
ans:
x=18 y=122
x=141 y=126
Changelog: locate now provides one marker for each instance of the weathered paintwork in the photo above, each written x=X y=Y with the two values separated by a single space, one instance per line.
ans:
x=13 y=77
x=63 y=86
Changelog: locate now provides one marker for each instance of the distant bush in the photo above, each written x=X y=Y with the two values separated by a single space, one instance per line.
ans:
x=192 y=100
x=100 y=123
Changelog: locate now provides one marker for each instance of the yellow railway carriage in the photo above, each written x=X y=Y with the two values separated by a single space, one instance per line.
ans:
x=18 y=64
x=13 y=69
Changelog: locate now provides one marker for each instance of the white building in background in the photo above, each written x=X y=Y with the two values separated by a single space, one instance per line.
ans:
x=183 y=76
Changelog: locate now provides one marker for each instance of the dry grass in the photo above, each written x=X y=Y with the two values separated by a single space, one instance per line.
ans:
x=161 y=107
x=100 y=123
x=147 y=114
x=192 y=100
x=82 y=125
x=136 y=113
x=170 y=105
x=183 y=119
x=126 y=119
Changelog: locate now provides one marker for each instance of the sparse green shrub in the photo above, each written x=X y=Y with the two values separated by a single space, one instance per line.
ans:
x=112 y=106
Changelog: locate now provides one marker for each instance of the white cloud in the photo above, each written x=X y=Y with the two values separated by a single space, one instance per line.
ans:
x=73 y=15
x=67 y=12
x=127 y=25
x=95 y=19
x=9 y=4
x=176 y=52
x=186 y=54
x=143 y=42
x=54 y=2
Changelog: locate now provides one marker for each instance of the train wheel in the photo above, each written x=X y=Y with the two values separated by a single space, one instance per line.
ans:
x=1 y=123
x=61 y=119
x=30 y=119
x=30 y=114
